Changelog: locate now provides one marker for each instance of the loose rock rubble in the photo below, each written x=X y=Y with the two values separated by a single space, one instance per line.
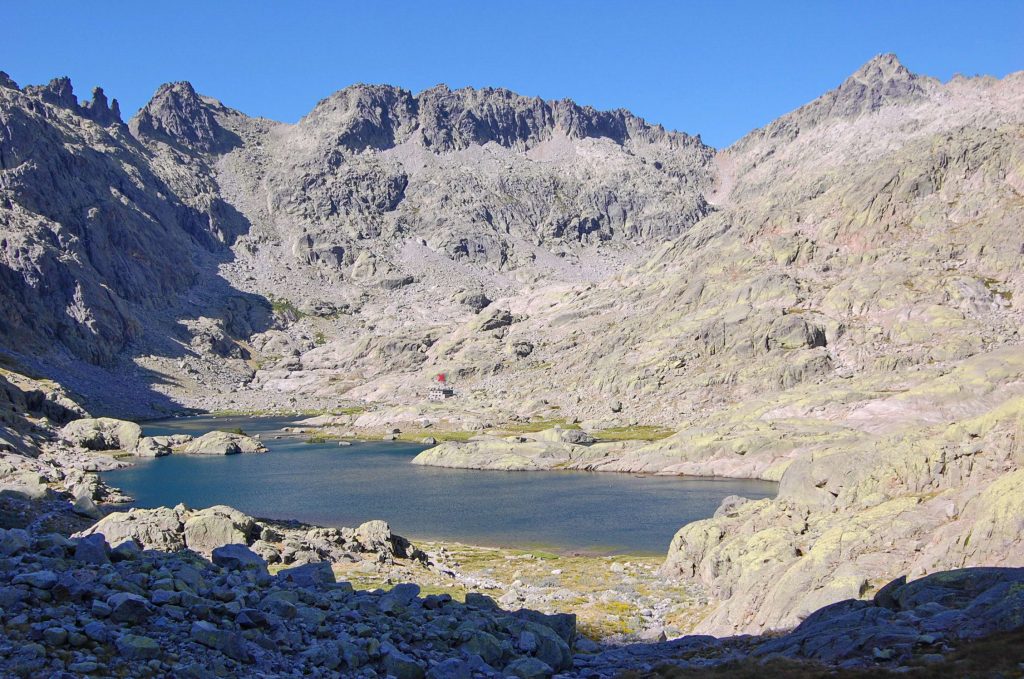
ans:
x=78 y=606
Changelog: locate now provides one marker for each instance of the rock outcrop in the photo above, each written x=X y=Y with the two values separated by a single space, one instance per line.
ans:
x=103 y=433
x=222 y=443
x=81 y=607
x=204 y=530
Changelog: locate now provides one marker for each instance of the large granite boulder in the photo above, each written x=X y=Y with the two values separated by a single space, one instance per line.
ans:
x=222 y=443
x=207 y=529
x=159 y=528
x=159 y=446
x=102 y=433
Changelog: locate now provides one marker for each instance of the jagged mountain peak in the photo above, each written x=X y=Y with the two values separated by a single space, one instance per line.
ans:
x=882 y=66
x=444 y=119
x=177 y=115
x=60 y=92
x=881 y=81
x=100 y=110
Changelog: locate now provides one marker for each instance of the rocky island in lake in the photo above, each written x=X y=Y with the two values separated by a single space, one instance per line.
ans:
x=463 y=383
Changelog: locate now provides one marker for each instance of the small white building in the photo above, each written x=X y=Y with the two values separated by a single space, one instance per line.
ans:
x=440 y=393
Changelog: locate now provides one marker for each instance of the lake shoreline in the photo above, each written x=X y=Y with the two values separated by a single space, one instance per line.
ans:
x=571 y=513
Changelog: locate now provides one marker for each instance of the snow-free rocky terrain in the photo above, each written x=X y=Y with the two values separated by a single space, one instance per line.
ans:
x=831 y=303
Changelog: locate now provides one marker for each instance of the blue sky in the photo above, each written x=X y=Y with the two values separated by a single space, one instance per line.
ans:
x=718 y=69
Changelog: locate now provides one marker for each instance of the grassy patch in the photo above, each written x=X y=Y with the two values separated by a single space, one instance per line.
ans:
x=284 y=307
x=417 y=435
x=538 y=425
x=637 y=433
x=234 y=430
x=310 y=412
x=994 y=286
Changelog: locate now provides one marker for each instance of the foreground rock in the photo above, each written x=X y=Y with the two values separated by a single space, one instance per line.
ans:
x=906 y=623
x=139 y=613
x=854 y=511
x=204 y=530
x=78 y=606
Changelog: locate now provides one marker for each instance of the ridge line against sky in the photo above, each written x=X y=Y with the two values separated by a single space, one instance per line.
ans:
x=714 y=69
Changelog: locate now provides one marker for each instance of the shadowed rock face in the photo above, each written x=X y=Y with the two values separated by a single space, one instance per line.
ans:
x=176 y=115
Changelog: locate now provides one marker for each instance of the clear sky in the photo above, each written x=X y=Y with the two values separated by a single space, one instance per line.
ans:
x=715 y=68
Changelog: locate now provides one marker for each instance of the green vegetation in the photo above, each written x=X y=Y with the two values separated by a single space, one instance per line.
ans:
x=350 y=410
x=319 y=339
x=308 y=412
x=538 y=425
x=284 y=307
x=994 y=286
x=588 y=578
x=637 y=433
x=234 y=430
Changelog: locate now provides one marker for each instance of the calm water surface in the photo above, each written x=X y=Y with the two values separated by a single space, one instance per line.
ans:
x=331 y=485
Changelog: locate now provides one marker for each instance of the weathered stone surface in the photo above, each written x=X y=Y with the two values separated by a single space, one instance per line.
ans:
x=137 y=647
x=128 y=608
x=158 y=446
x=222 y=443
x=103 y=433
x=153 y=528
x=207 y=529
x=529 y=668
x=92 y=549
x=309 y=575
x=238 y=557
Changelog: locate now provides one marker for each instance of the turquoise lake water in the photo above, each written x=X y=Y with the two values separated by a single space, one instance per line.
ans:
x=331 y=485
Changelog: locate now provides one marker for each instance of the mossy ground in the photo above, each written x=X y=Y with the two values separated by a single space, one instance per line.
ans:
x=535 y=426
x=635 y=433
x=607 y=593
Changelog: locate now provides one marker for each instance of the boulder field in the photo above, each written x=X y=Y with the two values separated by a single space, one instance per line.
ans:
x=80 y=607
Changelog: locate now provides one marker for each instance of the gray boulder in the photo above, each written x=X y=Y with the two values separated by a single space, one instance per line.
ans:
x=102 y=433
x=529 y=668
x=159 y=528
x=223 y=443
x=137 y=647
x=129 y=608
x=92 y=549
x=207 y=529
x=309 y=575
x=237 y=557
x=158 y=446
